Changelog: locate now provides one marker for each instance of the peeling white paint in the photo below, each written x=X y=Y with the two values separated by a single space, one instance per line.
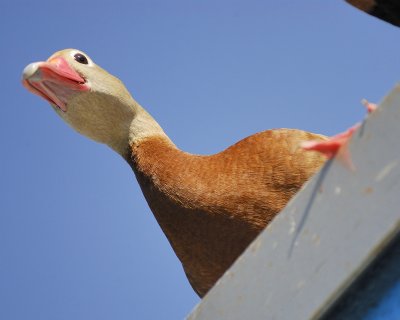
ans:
x=386 y=170
x=292 y=225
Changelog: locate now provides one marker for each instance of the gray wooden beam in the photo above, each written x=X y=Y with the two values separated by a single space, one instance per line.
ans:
x=326 y=237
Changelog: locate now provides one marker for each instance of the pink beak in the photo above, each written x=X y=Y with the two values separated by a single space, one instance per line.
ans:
x=53 y=80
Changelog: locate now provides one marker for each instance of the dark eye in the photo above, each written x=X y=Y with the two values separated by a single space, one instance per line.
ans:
x=81 y=58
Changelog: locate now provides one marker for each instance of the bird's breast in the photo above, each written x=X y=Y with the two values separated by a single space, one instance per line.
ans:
x=212 y=207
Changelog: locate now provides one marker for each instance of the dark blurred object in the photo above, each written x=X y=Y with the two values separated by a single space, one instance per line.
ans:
x=387 y=10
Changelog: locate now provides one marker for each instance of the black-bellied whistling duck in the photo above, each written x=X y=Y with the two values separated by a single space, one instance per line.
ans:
x=209 y=207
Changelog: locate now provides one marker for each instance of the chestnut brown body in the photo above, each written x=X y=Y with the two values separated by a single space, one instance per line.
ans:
x=211 y=207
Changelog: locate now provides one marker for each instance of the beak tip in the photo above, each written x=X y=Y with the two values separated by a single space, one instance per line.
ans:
x=31 y=71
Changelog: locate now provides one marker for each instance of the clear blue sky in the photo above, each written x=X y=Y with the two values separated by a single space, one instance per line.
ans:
x=77 y=240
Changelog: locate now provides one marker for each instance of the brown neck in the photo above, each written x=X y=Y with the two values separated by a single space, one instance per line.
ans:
x=168 y=184
x=181 y=191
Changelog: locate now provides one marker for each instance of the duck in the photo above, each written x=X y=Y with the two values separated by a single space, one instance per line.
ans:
x=210 y=207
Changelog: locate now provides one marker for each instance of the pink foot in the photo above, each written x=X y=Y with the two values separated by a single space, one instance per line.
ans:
x=338 y=144
x=334 y=146
x=330 y=147
x=371 y=107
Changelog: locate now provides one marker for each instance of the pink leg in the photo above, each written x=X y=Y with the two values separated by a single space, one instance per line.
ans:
x=338 y=144
x=371 y=107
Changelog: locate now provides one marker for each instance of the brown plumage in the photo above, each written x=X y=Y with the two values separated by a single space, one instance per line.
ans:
x=212 y=207
x=209 y=207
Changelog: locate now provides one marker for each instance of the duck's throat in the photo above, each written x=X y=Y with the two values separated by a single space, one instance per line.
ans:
x=131 y=130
